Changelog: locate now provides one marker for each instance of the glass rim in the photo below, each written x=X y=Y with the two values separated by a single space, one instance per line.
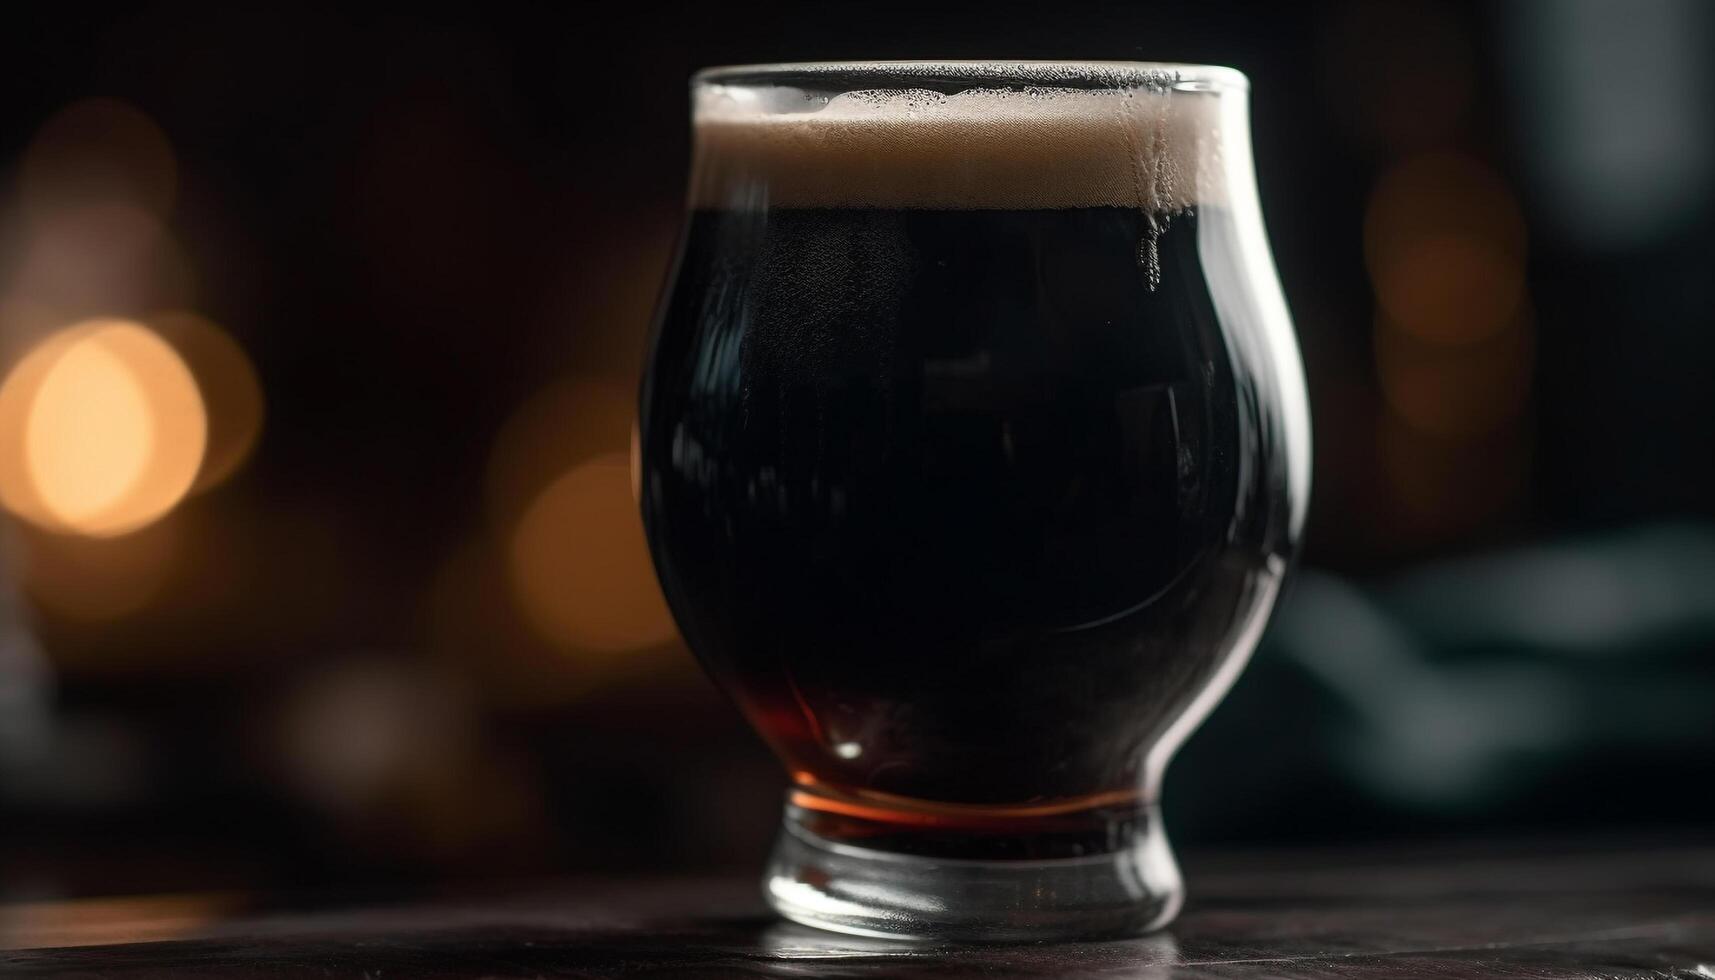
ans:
x=974 y=73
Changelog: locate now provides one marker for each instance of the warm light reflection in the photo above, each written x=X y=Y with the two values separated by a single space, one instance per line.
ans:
x=98 y=151
x=102 y=430
x=581 y=567
x=110 y=921
x=231 y=393
x=636 y=463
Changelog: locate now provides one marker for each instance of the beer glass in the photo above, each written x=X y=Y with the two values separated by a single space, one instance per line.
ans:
x=974 y=448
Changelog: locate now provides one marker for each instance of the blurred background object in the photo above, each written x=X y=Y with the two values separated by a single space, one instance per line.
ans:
x=319 y=333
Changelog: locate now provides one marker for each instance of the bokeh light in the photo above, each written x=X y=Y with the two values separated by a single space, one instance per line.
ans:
x=102 y=430
x=581 y=566
x=1450 y=288
x=394 y=749
x=1454 y=342
x=95 y=189
x=1456 y=391
x=562 y=425
x=1444 y=240
x=561 y=493
x=96 y=580
x=1449 y=486
x=17 y=403
x=355 y=732
x=1444 y=192
x=231 y=392
x=89 y=434
x=101 y=259
x=98 y=151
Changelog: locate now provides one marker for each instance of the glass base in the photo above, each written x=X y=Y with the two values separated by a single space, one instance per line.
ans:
x=1129 y=888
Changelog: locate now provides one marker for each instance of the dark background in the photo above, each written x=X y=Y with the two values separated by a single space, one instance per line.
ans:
x=438 y=235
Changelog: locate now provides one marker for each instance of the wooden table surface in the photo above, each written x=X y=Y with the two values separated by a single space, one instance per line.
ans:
x=1589 y=912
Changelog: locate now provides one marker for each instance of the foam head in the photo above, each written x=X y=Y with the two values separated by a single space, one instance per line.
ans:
x=1039 y=137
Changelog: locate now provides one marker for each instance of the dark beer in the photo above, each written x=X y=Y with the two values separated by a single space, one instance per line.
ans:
x=964 y=501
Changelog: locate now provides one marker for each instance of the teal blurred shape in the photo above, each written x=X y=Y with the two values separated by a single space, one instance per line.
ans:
x=1566 y=684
